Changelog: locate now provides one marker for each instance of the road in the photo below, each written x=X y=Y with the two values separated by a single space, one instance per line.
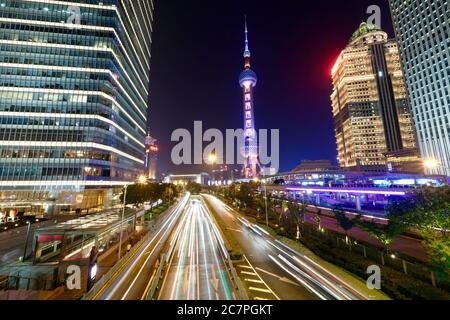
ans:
x=273 y=270
x=197 y=266
x=131 y=281
x=404 y=244
x=12 y=242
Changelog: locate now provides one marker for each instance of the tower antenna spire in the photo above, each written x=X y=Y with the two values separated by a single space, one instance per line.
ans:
x=247 y=53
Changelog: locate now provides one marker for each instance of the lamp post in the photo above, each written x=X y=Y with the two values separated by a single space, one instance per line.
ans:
x=212 y=159
x=142 y=180
x=265 y=201
x=433 y=164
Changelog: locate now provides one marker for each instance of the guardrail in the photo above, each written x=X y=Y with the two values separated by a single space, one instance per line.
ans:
x=156 y=279
x=99 y=285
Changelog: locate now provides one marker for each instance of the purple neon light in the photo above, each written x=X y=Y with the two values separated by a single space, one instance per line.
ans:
x=393 y=193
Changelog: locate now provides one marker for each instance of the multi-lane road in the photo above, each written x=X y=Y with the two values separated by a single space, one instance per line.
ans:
x=273 y=270
x=197 y=266
x=197 y=269
x=131 y=281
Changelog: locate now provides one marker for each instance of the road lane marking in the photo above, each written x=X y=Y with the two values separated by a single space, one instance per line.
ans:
x=270 y=290
x=250 y=273
x=284 y=279
x=304 y=283
x=253 y=280
x=259 y=290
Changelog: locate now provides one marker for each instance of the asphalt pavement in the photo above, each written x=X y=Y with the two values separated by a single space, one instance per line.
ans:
x=197 y=266
x=273 y=270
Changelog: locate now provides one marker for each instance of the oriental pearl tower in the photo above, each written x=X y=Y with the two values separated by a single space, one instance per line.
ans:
x=248 y=81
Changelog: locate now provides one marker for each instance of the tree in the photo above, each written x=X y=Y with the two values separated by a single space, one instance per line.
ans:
x=344 y=222
x=297 y=212
x=318 y=219
x=427 y=211
x=385 y=234
x=193 y=187
x=245 y=194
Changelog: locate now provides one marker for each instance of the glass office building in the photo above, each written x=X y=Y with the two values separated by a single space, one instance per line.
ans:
x=423 y=34
x=370 y=109
x=73 y=102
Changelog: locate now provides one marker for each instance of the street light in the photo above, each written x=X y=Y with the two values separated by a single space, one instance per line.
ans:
x=141 y=180
x=212 y=159
x=433 y=164
x=265 y=201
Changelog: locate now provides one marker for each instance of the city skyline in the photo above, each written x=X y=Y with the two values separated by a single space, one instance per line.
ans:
x=293 y=82
x=224 y=151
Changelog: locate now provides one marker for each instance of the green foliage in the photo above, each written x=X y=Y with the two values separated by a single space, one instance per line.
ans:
x=193 y=187
x=245 y=194
x=344 y=222
x=385 y=234
x=428 y=213
x=140 y=193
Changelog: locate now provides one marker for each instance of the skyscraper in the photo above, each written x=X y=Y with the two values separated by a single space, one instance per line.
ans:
x=370 y=108
x=423 y=35
x=151 y=160
x=73 y=101
x=248 y=81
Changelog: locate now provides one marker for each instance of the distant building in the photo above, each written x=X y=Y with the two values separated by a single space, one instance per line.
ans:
x=423 y=33
x=315 y=166
x=370 y=108
x=268 y=171
x=151 y=161
x=201 y=178
x=225 y=174
x=405 y=161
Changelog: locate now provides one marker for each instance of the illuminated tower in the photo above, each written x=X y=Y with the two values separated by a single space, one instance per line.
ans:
x=151 y=159
x=248 y=80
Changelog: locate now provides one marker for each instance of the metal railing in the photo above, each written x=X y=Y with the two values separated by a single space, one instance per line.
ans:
x=157 y=278
x=107 y=277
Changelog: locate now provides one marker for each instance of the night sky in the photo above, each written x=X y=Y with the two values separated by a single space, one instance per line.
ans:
x=197 y=57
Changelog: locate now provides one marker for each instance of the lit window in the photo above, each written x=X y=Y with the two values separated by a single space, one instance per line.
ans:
x=248 y=115
x=248 y=123
x=248 y=97
x=248 y=105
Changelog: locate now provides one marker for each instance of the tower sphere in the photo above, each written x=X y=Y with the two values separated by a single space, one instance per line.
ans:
x=248 y=76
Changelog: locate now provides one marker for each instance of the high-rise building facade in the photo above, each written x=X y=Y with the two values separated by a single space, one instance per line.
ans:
x=370 y=107
x=248 y=80
x=74 y=81
x=423 y=33
x=151 y=160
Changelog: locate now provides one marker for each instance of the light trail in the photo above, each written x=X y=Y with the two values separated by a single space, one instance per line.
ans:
x=122 y=275
x=314 y=277
x=197 y=267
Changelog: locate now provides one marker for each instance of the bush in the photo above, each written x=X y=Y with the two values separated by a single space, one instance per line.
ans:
x=396 y=284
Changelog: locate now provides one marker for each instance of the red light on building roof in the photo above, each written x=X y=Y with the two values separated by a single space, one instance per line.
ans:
x=336 y=65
